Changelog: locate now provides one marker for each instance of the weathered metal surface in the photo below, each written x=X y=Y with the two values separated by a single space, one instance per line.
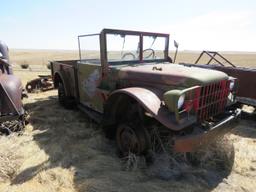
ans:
x=110 y=86
x=4 y=51
x=171 y=75
x=193 y=141
x=11 y=92
x=66 y=71
x=247 y=80
x=150 y=100
x=245 y=76
x=213 y=100
x=213 y=55
x=42 y=83
x=4 y=59
x=246 y=101
x=11 y=109
x=89 y=78
x=3 y=66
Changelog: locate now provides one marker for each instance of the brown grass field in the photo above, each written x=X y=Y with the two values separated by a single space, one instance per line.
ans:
x=64 y=151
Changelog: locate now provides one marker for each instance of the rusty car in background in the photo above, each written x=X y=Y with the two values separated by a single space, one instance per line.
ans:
x=41 y=83
x=126 y=81
x=11 y=109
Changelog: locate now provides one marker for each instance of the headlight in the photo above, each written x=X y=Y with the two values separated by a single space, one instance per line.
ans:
x=181 y=101
x=231 y=85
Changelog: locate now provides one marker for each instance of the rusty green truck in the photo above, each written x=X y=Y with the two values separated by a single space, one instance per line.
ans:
x=127 y=81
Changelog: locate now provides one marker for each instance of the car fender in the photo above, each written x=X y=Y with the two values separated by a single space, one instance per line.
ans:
x=150 y=100
x=59 y=78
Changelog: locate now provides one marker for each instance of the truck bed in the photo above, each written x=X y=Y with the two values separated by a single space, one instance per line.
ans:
x=66 y=71
x=66 y=62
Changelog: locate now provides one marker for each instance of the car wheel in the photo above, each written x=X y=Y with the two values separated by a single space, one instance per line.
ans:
x=131 y=135
x=68 y=103
x=61 y=94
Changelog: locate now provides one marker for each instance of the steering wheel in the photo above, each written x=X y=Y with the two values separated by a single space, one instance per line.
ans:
x=151 y=53
x=129 y=54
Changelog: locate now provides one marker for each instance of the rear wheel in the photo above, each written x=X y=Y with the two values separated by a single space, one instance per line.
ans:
x=66 y=102
x=61 y=94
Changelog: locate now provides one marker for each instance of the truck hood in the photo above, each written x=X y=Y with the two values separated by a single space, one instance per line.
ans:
x=171 y=74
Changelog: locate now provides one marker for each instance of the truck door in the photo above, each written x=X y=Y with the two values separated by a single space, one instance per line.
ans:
x=89 y=78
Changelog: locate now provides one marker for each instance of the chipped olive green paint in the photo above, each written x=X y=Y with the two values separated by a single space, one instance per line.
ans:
x=97 y=79
x=89 y=79
x=172 y=77
x=171 y=74
x=171 y=99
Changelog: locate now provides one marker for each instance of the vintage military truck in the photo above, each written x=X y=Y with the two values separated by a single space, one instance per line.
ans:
x=126 y=81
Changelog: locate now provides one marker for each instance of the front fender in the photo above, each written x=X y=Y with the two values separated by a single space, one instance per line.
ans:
x=150 y=100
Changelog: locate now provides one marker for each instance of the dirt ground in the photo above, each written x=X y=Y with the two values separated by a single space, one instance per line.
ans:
x=63 y=150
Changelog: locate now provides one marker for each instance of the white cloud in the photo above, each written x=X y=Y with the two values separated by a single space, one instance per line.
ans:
x=229 y=30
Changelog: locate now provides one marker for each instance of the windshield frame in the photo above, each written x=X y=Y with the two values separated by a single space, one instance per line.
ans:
x=141 y=36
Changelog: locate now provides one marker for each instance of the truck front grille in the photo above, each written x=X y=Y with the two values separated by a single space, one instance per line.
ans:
x=213 y=99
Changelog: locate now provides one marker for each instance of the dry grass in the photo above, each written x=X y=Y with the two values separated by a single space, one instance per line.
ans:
x=239 y=59
x=10 y=161
x=41 y=57
x=62 y=150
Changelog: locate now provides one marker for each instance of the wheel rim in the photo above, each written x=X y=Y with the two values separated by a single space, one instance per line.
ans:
x=129 y=140
x=29 y=88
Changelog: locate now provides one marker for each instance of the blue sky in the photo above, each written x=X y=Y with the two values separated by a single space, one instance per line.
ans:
x=196 y=24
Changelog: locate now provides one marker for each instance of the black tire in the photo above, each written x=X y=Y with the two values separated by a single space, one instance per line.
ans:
x=61 y=94
x=29 y=88
x=65 y=101
x=131 y=135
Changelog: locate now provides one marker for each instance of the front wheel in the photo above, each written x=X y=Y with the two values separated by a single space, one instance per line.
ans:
x=131 y=135
x=132 y=139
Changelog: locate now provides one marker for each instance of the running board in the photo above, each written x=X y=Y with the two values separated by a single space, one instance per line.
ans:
x=94 y=115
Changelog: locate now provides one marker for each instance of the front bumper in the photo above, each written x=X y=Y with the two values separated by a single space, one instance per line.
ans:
x=193 y=141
